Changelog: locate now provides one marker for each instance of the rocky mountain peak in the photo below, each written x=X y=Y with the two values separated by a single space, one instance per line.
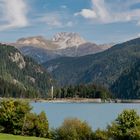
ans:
x=66 y=40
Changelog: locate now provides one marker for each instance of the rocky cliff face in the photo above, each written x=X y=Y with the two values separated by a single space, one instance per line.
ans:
x=18 y=58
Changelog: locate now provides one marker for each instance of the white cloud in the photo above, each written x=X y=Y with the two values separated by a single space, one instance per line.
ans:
x=115 y=11
x=87 y=13
x=13 y=13
x=101 y=10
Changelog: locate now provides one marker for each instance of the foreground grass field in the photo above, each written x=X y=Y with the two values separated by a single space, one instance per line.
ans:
x=13 y=137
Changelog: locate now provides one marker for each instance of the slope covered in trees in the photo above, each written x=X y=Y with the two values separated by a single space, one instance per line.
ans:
x=20 y=76
x=102 y=68
x=128 y=84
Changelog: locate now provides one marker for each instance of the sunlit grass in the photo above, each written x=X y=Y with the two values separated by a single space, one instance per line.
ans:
x=13 y=137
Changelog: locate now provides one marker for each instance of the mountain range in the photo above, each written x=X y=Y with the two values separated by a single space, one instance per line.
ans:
x=61 y=45
x=71 y=60
x=107 y=68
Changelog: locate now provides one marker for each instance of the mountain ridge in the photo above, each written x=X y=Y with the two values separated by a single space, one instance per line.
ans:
x=102 y=68
x=62 y=44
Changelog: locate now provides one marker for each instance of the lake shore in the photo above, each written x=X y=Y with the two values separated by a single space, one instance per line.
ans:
x=86 y=100
x=80 y=100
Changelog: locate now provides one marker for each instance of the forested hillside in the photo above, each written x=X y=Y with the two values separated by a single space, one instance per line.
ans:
x=128 y=84
x=20 y=76
x=102 y=68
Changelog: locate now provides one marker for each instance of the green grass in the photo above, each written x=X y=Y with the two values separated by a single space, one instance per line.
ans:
x=13 y=137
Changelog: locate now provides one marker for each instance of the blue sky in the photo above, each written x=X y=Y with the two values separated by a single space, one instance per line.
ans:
x=100 y=21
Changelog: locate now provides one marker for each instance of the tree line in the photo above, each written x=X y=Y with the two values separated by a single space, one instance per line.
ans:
x=83 y=91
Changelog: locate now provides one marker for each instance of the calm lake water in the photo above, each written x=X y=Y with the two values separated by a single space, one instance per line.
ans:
x=97 y=115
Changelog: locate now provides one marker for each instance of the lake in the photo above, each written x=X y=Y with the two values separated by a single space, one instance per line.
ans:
x=97 y=115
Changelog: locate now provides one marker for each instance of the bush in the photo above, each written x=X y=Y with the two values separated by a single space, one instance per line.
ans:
x=73 y=129
x=36 y=125
x=12 y=114
x=100 y=135
x=16 y=118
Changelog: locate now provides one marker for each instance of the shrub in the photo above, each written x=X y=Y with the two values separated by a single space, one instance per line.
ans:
x=12 y=113
x=36 y=125
x=100 y=135
x=73 y=129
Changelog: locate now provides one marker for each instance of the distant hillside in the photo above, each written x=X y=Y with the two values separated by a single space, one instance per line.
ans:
x=61 y=45
x=102 y=68
x=20 y=76
x=128 y=84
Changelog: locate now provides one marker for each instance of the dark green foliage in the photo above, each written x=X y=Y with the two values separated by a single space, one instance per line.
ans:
x=103 y=68
x=27 y=78
x=128 y=84
x=12 y=115
x=16 y=118
x=100 y=135
x=82 y=91
x=73 y=129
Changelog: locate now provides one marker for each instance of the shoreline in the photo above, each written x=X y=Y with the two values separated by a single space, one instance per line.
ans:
x=87 y=100
x=79 y=100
